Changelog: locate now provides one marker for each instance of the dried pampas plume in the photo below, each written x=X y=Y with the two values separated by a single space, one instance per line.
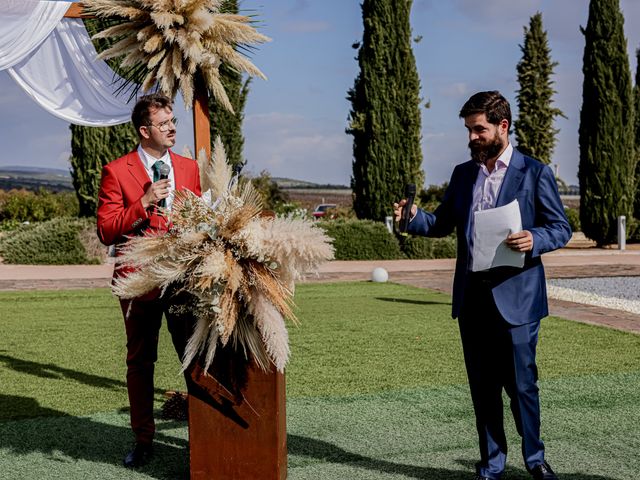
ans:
x=237 y=267
x=169 y=42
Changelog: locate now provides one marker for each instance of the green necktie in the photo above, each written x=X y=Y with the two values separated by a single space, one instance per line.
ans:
x=156 y=176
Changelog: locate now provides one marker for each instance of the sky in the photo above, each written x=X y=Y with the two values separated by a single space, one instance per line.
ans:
x=295 y=121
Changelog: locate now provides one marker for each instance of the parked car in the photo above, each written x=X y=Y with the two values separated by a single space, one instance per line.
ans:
x=322 y=210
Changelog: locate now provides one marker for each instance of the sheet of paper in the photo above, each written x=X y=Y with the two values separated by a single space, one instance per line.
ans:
x=491 y=229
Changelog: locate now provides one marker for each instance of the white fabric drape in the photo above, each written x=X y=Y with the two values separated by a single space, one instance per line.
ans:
x=53 y=60
x=25 y=24
x=64 y=77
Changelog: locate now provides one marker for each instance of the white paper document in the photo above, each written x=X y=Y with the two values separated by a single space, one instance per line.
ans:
x=491 y=228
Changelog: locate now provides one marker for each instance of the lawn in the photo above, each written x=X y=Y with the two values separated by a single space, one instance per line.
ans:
x=376 y=390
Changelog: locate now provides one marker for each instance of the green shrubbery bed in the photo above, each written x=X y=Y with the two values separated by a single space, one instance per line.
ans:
x=61 y=241
x=368 y=240
x=69 y=241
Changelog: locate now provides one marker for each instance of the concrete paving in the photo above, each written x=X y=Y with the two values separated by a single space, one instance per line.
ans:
x=432 y=274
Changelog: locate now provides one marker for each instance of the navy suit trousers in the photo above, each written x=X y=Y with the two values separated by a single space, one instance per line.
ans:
x=500 y=356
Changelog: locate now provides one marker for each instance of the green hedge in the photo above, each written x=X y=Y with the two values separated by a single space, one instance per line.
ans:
x=362 y=240
x=368 y=240
x=61 y=241
x=573 y=215
x=428 y=248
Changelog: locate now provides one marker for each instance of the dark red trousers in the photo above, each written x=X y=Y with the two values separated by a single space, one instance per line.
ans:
x=142 y=320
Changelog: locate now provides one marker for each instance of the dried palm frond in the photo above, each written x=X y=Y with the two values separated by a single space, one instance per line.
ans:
x=175 y=40
x=249 y=338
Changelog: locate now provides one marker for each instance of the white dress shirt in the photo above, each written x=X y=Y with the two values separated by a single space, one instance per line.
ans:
x=148 y=160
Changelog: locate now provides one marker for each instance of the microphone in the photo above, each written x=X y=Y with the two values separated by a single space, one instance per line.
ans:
x=164 y=171
x=410 y=195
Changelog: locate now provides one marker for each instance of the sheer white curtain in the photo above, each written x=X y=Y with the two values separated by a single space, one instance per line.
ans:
x=53 y=60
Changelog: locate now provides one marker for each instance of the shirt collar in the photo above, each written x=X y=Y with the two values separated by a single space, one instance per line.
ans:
x=502 y=161
x=149 y=160
x=505 y=157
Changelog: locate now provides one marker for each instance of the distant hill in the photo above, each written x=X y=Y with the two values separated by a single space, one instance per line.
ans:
x=34 y=178
x=57 y=179
x=287 y=183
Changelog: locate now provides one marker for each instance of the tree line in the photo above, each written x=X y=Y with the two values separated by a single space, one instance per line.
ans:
x=385 y=117
x=382 y=111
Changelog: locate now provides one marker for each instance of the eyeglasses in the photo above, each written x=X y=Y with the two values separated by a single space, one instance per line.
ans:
x=165 y=126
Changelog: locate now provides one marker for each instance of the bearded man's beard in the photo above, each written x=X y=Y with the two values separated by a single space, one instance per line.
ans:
x=481 y=152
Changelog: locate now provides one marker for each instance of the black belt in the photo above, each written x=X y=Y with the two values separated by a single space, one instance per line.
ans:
x=486 y=277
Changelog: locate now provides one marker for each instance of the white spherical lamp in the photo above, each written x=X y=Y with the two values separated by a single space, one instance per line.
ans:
x=379 y=275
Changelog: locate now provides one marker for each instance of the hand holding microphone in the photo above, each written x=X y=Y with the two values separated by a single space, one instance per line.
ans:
x=405 y=209
x=164 y=175
x=159 y=190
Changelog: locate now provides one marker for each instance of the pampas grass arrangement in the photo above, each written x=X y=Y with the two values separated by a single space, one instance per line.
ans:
x=238 y=266
x=168 y=42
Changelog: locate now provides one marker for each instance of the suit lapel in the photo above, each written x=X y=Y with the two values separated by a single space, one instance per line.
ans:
x=512 y=179
x=179 y=175
x=467 y=194
x=137 y=170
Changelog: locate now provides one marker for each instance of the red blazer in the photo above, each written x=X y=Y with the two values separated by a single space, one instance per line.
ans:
x=124 y=181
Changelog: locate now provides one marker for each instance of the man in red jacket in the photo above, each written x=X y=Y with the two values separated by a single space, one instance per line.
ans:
x=132 y=191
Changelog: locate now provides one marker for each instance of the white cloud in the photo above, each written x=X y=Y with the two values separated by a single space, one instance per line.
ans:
x=294 y=146
x=455 y=90
x=428 y=136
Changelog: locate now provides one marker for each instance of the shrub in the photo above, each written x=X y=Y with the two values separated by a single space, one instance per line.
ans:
x=290 y=209
x=427 y=248
x=272 y=195
x=61 y=241
x=431 y=197
x=573 y=215
x=361 y=240
x=26 y=206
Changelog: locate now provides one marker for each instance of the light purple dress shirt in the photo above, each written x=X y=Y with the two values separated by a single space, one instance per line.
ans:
x=487 y=187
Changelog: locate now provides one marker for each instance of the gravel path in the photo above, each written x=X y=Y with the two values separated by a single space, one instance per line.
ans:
x=619 y=293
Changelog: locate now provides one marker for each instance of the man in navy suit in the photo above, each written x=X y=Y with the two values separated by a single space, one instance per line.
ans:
x=499 y=309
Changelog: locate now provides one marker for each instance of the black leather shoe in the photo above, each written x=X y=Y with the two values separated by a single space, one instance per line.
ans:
x=543 y=472
x=139 y=456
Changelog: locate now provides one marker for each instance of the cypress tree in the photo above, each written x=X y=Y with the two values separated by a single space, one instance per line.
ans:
x=224 y=123
x=534 y=130
x=91 y=149
x=94 y=147
x=636 y=95
x=385 y=110
x=607 y=157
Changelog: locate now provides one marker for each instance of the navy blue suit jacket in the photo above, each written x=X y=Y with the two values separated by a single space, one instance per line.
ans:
x=519 y=293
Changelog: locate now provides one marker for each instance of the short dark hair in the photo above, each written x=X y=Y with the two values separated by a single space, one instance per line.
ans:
x=141 y=114
x=491 y=103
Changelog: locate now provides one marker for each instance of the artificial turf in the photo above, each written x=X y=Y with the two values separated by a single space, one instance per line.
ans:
x=376 y=390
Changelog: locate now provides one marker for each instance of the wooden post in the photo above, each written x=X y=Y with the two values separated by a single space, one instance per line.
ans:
x=201 y=132
x=237 y=415
x=237 y=421
x=76 y=10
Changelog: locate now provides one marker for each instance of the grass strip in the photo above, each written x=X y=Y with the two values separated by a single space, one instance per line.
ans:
x=62 y=352
x=589 y=427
